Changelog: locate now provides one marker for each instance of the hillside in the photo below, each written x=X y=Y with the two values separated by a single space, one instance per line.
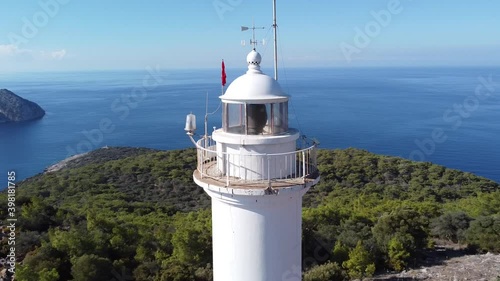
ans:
x=138 y=212
x=13 y=108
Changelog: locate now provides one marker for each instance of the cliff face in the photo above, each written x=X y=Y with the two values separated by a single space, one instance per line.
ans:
x=13 y=108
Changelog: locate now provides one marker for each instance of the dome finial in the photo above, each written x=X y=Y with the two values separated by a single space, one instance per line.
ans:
x=253 y=60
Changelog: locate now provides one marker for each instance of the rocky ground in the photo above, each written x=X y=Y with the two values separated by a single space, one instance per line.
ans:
x=450 y=263
x=101 y=155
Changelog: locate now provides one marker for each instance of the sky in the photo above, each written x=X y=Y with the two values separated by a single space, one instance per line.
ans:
x=73 y=35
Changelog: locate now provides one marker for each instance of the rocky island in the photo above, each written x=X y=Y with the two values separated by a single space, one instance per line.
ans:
x=14 y=108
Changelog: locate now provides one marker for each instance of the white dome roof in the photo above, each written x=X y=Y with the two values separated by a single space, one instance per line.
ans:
x=254 y=86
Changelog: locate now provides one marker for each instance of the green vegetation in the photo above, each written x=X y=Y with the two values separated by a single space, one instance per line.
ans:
x=360 y=263
x=135 y=214
x=327 y=271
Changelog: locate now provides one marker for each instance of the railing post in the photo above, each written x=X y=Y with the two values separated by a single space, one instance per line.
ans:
x=268 y=170
x=200 y=161
x=286 y=165
x=293 y=164
x=227 y=170
x=308 y=162
x=262 y=172
x=303 y=164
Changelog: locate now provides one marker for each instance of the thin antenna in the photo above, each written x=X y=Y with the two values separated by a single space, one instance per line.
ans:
x=206 y=117
x=275 y=26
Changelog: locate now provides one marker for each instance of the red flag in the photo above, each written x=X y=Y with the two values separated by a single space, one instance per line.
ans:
x=223 y=75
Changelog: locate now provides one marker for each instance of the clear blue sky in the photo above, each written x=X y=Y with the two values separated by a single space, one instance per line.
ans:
x=128 y=34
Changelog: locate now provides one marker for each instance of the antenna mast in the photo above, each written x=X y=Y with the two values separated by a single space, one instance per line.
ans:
x=275 y=26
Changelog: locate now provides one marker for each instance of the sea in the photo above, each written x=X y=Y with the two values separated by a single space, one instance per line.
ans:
x=446 y=115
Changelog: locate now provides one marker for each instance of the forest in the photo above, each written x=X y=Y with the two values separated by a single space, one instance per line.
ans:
x=135 y=214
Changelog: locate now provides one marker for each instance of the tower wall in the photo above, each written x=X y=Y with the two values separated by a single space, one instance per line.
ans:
x=256 y=238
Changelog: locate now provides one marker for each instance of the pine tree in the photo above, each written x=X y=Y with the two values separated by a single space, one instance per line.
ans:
x=360 y=264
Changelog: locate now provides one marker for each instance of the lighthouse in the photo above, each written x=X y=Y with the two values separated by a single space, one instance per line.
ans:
x=256 y=175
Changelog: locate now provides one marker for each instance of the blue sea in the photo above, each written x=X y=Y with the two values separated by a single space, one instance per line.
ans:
x=448 y=116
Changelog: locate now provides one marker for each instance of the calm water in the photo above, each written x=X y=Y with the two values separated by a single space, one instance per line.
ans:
x=393 y=111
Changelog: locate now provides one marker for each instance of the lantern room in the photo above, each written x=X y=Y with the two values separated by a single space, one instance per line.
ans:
x=254 y=103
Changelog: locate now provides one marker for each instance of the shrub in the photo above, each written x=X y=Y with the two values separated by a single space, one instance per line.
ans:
x=484 y=233
x=340 y=252
x=404 y=222
x=91 y=267
x=325 y=272
x=360 y=264
x=451 y=226
x=398 y=254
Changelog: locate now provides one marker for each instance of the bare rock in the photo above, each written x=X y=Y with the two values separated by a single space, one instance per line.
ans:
x=484 y=267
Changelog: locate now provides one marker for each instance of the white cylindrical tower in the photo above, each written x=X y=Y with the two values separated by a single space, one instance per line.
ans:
x=256 y=177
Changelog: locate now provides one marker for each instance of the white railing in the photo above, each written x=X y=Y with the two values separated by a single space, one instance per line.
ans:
x=235 y=169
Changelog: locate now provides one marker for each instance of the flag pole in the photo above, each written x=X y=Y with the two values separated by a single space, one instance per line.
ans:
x=223 y=83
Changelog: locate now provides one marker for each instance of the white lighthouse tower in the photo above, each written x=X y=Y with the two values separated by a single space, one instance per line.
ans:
x=256 y=176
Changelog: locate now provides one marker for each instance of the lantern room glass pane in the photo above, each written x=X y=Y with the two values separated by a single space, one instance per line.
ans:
x=234 y=118
x=255 y=119
x=280 y=117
